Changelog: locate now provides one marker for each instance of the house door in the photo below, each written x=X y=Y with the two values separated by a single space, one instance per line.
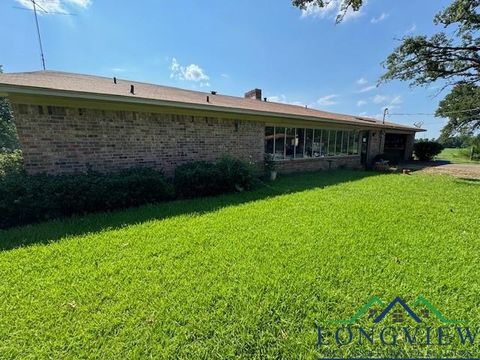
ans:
x=364 y=147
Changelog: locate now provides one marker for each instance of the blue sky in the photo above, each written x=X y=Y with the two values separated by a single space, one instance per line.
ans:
x=231 y=47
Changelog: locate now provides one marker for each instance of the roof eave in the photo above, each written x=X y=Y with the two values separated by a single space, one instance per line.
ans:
x=9 y=89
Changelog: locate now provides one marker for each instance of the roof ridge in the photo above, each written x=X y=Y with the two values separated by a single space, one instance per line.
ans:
x=133 y=82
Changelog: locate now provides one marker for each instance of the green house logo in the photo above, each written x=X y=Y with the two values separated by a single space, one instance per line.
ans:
x=409 y=325
x=421 y=310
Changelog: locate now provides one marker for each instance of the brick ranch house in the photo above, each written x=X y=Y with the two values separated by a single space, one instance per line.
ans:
x=72 y=123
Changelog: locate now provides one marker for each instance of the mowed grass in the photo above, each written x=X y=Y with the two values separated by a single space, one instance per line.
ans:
x=457 y=156
x=243 y=275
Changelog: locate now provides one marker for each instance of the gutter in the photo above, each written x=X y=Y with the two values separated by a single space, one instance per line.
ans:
x=8 y=89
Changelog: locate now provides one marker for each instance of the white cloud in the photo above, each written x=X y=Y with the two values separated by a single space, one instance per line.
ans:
x=81 y=3
x=362 y=81
x=411 y=29
x=377 y=99
x=191 y=72
x=331 y=10
x=368 y=88
x=361 y=102
x=376 y=20
x=327 y=100
x=225 y=76
x=55 y=5
x=282 y=99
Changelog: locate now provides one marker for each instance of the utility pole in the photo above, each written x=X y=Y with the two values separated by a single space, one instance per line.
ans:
x=36 y=7
x=385 y=112
x=38 y=33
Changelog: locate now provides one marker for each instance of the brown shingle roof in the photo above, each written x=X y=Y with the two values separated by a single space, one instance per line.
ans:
x=88 y=86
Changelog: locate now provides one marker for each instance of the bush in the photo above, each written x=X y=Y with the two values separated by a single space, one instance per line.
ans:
x=427 y=150
x=197 y=178
x=11 y=163
x=236 y=175
x=200 y=178
x=26 y=199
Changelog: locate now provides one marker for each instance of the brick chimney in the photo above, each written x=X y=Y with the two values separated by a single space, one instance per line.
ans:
x=255 y=94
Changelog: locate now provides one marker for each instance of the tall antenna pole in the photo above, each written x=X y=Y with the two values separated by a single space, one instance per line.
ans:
x=38 y=33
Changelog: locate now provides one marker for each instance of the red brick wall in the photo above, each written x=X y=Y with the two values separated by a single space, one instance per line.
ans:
x=67 y=140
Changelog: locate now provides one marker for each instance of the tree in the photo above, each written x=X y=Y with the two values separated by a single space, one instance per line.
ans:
x=344 y=5
x=462 y=107
x=452 y=57
x=8 y=132
x=461 y=141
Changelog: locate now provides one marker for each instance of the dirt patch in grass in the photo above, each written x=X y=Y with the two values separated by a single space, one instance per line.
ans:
x=467 y=171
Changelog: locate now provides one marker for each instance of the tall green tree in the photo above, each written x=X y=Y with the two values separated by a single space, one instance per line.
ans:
x=8 y=131
x=452 y=57
x=462 y=107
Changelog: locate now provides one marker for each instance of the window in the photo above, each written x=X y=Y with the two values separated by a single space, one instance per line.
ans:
x=355 y=142
x=350 y=143
x=279 y=143
x=309 y=143
x=345 y=135
x=331 y=142
x=318 y=148
x=290 y=143
x=298 y=143
x=338 y=143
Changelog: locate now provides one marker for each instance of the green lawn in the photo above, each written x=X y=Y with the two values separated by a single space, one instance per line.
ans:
x=243 y=275
x=457 y=156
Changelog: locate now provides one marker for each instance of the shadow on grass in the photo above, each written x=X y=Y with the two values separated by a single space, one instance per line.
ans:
x=55 y=230
x=466 y=180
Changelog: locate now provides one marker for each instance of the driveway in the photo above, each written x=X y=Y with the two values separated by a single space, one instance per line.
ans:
x=468 y=171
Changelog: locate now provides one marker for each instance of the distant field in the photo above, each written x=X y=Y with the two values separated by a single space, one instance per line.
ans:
x=244 y=275
x=457 y=156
